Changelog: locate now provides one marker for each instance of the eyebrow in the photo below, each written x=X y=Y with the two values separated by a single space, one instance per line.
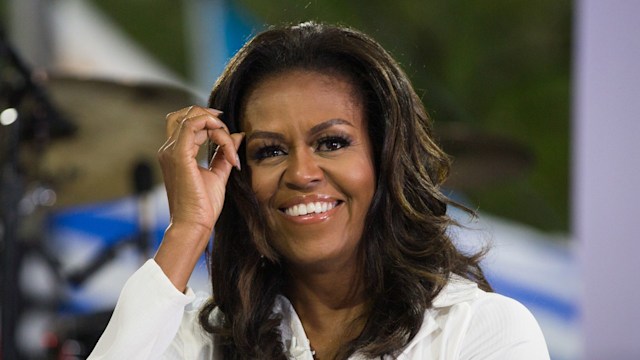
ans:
x=327 y=124
x=265 y=135
x=314 y=130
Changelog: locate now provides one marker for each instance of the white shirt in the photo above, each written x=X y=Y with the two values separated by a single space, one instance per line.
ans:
x=153 y=320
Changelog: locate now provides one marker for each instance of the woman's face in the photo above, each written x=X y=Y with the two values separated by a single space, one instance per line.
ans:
x=311 y=165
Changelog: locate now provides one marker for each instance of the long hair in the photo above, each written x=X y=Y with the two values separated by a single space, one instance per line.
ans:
x=407 y=254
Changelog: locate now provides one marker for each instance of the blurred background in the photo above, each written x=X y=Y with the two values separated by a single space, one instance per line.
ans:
x=86 y=85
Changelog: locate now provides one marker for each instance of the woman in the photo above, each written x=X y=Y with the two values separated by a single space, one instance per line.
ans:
x=331 y=237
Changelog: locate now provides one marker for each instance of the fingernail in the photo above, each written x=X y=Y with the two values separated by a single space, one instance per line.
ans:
x=238 y=166
x=215 y=112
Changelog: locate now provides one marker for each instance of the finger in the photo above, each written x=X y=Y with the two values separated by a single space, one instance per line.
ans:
x=194 y=131
x=225 y=146
x=171 y=119
x=220 y=162
x=237 y=140
x=195 y=109
x=214 y=112
x=174 y=119
x=199 y=126
x=176 y=126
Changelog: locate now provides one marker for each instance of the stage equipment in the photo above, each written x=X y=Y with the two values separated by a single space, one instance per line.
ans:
x=70 y=141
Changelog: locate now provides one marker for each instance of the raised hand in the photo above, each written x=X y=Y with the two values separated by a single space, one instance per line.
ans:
x=195 y=193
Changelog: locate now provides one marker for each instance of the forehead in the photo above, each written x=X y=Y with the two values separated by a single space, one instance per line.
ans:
x=300 y=96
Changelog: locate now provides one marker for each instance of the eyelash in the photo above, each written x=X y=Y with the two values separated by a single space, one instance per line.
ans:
x=330 y=143
x=267 y=151
x=341 y=141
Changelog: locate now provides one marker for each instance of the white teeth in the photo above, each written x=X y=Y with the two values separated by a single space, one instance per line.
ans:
x=310 y=208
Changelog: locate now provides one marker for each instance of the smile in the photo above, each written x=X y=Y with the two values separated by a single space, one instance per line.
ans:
x=317 y=207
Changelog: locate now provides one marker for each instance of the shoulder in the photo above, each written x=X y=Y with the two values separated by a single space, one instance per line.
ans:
x=466 y=322
x=491 y=310
x=502 y=328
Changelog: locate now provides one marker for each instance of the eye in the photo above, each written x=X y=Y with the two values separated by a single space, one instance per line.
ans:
x=268 y=151
x=333 y=143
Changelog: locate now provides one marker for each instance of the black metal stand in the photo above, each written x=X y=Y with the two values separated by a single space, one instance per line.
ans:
x=12 y=191
x=38 y=124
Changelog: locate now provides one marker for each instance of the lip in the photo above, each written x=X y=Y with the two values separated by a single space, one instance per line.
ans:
x=309 y=218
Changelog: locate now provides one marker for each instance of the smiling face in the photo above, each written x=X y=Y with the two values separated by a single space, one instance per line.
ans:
x=311 y=165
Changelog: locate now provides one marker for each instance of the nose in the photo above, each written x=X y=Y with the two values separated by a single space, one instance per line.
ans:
x=303 y=171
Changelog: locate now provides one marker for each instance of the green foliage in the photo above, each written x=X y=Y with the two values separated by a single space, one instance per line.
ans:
x=157 y=26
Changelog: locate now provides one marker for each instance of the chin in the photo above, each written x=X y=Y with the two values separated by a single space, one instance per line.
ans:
x=321 y=258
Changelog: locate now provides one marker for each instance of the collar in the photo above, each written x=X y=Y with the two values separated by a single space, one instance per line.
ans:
x=294 y=338
x=458 y=290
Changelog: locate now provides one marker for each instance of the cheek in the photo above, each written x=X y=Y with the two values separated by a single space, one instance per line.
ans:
x=359 y=180
x=264 y=184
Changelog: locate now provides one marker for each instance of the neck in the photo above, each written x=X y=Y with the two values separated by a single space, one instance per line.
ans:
x=331 y=305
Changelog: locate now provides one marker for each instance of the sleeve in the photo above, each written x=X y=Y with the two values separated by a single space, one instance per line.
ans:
x=502 y=329
x=146 y=318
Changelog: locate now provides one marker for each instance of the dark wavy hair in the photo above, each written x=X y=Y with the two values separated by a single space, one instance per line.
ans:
x=407 y=254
